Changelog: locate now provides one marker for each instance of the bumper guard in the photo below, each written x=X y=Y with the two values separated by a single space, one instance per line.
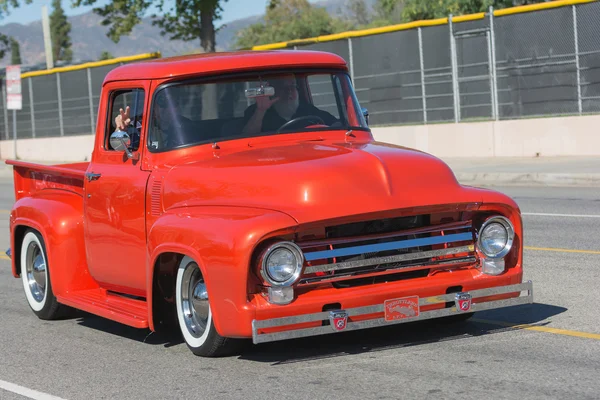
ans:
x=396 y=311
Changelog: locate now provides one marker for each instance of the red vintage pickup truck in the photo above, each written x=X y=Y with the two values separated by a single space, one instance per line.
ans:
x=242 y=195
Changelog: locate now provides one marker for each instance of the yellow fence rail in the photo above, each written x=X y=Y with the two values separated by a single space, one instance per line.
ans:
x=137 y=57
x=417 y=24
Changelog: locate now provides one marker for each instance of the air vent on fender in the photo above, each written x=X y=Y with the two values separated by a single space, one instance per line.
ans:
x=155 y=206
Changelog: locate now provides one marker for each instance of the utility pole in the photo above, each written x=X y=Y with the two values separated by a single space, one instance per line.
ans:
x=47 y=38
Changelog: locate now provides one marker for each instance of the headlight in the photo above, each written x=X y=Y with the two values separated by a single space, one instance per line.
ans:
x=282 y=264
x=496 y=237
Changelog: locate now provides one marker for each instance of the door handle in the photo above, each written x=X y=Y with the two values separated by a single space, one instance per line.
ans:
x=92 y=176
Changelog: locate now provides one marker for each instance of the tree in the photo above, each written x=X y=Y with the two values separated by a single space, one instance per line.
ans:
x=286 y=20
x=185 y=20
x=5 y=7
x=105 y=56
x=15 y=52
x=415 y=10
x=60 y=29
x=390 y=10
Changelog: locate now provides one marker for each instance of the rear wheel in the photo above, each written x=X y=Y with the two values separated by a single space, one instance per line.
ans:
x=195 y=314
x=35 y=276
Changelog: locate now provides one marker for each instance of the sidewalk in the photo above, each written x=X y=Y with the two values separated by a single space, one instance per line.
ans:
x=512 y=171
x=505 y=171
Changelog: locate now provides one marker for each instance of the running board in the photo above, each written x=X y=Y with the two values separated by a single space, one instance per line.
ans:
x=125 y=310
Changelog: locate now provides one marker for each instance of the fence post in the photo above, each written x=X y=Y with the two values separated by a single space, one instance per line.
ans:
x=31 y=107
x=351 y=61
x=453 y=59
x=91 y=101
x=5 y=111
x=60 y=114
x=576 y=34
x=422 y=75
x=494 y=88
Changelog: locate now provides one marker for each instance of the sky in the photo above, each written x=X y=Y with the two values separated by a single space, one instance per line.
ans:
x=232 y=10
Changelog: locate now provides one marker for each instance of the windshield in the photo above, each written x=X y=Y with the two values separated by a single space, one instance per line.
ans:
x=190 y=113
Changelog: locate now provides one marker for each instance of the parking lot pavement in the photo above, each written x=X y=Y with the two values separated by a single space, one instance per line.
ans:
x=549 y=349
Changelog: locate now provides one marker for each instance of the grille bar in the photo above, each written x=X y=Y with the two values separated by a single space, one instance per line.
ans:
x=397 y=245
x=389 y=259
x=452 y=226
x=387 y=271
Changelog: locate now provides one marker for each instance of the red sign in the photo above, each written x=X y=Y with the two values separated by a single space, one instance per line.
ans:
x=406 y=307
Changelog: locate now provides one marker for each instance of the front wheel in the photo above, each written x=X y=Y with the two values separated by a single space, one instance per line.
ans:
x=194 y=313
x=35 y=276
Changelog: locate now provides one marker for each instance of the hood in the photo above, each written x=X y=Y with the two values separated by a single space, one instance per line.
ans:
x=313 y=181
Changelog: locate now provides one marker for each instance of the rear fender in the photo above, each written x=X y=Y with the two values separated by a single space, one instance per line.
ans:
x=58 y=216
x=221 y=240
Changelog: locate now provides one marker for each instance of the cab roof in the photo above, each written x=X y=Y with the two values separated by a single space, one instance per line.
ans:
x=223 y=62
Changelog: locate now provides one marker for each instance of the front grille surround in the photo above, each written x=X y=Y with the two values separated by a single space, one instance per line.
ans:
x=428 y=247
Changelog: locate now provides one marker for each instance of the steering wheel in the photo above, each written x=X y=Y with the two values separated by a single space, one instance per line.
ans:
x=306 y=117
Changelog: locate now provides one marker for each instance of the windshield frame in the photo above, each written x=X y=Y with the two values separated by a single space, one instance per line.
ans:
x=216 y=79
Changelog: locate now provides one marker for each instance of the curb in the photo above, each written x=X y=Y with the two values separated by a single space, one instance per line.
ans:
x=523 y=179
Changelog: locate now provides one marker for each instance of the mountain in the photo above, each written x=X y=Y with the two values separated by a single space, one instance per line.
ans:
x=89 y=37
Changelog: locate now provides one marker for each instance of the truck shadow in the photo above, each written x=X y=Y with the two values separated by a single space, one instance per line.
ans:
x=353 y=342
x=400 y=336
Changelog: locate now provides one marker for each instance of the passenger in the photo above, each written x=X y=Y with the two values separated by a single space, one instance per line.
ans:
x=270 y=113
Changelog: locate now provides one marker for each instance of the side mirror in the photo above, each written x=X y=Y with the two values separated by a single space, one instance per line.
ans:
x=365 y=113
x=121 y=141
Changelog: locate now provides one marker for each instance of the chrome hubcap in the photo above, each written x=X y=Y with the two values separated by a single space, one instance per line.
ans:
x=194 y=300
x=36 y=272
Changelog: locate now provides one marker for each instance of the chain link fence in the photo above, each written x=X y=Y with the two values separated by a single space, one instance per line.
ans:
x=523 y=65
x=58 y=103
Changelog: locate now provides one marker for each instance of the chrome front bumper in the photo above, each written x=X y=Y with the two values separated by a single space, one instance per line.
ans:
x=342 y=319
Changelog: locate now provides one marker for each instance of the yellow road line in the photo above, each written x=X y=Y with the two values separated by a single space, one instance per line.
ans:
x=529 y=327
x=4 y=257
x=4 y=212
x=562 y=250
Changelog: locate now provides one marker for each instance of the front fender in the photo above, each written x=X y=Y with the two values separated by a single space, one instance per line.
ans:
x=58 y=216
x=221 y=240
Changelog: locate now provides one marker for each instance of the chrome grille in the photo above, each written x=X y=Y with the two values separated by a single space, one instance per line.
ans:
x=449 y=245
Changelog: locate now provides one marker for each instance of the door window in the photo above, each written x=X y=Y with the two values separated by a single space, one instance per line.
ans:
x=120 y=100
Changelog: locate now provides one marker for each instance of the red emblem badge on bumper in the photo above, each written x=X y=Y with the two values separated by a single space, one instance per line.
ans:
x=463 y=302
x=338 y=320
x=406 y=307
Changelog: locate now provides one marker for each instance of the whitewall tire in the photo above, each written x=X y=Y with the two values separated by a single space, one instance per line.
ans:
x=194 y=313
x=35 y=275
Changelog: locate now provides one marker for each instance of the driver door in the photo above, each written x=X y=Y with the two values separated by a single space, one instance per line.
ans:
x=115 y=191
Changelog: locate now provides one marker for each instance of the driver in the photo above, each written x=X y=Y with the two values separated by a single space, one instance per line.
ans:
x=270 y=113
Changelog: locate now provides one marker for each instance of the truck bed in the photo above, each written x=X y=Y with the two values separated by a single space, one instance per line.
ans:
x=30 y=178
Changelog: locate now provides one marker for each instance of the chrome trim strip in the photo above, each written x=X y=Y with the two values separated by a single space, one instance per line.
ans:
x=378 y=322
x=452 y=226
x=388 y=259
x=401 y=244
x=345 y=275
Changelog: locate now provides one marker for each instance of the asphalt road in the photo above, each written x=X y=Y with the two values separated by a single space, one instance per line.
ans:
x=555 y=354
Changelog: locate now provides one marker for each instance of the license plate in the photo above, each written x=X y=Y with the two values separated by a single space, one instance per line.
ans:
x=406 y=307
